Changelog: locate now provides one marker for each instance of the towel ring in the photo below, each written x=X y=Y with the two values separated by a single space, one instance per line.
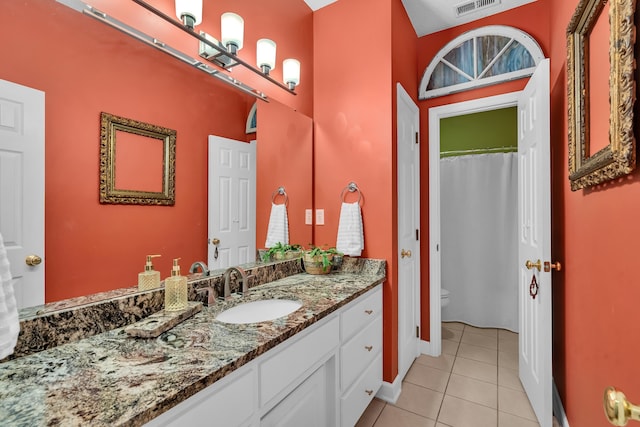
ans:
x=280 y=192
x=351 y=187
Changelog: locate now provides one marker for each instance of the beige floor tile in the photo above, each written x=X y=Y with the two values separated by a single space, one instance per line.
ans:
x=508 y=360
x=480 y=340
x=441 y=425
x=509 y=378
x=515 y=403
x=461 y=413
x=473 y=390
x=503 y=334
x=392 y=416
x=459 y=326
x=371 y=414
x=508 y=420
x=428 y=377
x=481 y=354
x=508 y=346
x=419 y=400
x=450 y=347
x=444 y=362
x=451 y=334
x=490 y=332
x=474 y=369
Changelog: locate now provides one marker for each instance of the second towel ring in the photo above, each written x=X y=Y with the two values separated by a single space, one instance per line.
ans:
x=351 y=187
x=280 y=192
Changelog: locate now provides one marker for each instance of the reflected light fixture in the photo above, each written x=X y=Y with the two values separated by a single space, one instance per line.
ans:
x=266 y=55
x=232 y=31
x=189 y=12
x=291 y=72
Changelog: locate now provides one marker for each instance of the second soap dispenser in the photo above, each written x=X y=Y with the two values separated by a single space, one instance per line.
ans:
x=175 y=290
x=149 y=278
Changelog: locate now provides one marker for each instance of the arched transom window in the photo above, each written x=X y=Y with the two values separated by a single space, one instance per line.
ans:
x=480 y=57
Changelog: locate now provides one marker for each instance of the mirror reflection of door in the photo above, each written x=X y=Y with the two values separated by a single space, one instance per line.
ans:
x=232 y=202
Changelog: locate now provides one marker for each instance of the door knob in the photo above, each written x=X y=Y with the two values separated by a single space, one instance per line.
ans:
x=405 y=253
x=33 y=260
x=548 y=266
x=215 y=241
x=530 y=265
x=618 y=409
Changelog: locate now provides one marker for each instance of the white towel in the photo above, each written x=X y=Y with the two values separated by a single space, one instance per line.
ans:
x=278 y=230
x=9 y=323
x=350 y=231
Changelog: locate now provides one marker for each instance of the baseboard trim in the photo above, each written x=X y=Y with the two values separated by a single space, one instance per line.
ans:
x=390 y=392
x=427 y=348
x=558 y=408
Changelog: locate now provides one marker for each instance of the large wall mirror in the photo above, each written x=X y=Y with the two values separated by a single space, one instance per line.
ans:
x=601 y=91
x=99 y=69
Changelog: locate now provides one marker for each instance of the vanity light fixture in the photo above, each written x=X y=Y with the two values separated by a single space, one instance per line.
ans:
x=291 y=73
x=189 y=12
x=232 y=31
x=266 y=55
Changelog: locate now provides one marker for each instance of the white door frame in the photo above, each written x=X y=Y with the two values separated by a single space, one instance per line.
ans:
x=434 y=346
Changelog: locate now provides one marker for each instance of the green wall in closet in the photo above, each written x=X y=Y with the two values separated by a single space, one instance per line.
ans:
x=479 y=132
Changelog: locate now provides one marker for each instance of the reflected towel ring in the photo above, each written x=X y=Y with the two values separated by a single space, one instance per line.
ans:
x=351 y=187
x=280 y=192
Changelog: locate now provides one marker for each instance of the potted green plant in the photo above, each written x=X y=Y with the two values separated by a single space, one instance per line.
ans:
x=282 y=251
x=318 y=260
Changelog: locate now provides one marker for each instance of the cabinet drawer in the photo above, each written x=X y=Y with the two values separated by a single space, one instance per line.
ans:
x=356 y=400
x=280 y=371
x=358 y=353
x=357 y=317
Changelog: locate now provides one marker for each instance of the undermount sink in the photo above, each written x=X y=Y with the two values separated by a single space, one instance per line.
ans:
x=258 y=311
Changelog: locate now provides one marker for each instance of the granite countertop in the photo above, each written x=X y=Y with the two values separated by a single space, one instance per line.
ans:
x=113 y=379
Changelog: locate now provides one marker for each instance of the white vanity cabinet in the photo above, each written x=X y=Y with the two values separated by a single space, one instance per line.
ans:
x=326 y=375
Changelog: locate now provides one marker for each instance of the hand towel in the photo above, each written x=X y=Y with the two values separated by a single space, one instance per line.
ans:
x=350 y=231
x=278 y=230
x=9 y=323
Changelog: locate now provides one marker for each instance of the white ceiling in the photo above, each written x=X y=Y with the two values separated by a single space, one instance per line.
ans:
x=430 y=16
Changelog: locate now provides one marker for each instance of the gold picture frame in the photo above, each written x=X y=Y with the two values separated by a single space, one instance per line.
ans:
x=618 y=157
x=143 y=135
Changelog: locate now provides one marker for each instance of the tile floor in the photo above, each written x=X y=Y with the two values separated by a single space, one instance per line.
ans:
x=474 y=383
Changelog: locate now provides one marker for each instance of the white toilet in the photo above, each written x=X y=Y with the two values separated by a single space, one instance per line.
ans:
x=444 y=297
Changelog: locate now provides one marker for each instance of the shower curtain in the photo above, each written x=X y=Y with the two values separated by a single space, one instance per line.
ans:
x=479 y=245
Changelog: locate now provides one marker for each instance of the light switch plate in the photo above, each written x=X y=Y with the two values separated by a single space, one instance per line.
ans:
x=308 y=216
x=319 y=216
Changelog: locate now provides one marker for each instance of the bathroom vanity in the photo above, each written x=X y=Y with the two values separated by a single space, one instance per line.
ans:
x=321 y=365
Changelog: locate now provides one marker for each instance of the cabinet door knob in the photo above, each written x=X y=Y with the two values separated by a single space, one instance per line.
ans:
x=368 y=311
x=369 y=392
x=368 y=347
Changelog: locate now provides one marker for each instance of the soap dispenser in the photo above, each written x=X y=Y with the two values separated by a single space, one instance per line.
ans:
x=149 y=278
x=175 y=290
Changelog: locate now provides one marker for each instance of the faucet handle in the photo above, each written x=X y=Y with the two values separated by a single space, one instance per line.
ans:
x=245 y=283
x=211 y=298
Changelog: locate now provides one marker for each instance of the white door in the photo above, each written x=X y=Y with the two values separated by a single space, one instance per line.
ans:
x=232 y=202
x=534 y=234
x=22 y=188
x=408 y=231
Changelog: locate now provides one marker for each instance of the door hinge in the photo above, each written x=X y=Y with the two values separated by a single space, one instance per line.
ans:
x=417 y=331
x=417 y=138
x=417 y=234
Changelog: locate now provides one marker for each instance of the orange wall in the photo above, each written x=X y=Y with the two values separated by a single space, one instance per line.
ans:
x=596 y=320
x=533 y=19
x=85 y=68
x=353 y=133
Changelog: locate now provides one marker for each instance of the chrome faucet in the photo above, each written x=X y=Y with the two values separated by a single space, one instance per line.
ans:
x=203 y=267
x=243 y=278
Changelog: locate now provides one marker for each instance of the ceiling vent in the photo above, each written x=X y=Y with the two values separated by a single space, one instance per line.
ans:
x=473 y=6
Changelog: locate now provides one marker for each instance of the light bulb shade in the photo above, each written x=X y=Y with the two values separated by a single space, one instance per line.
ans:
x=291 y=71
x=192 y=8
x=232 y=29
x=266 y=53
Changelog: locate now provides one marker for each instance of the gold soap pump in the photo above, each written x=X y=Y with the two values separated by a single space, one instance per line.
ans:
x=149 y=278
x=175 y=290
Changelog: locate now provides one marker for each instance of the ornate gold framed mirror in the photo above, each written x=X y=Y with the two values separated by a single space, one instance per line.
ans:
x=137 y=162
x=597 y=156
